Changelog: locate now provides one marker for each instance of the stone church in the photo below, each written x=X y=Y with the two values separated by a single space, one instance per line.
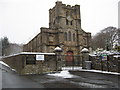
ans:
x=64 y=31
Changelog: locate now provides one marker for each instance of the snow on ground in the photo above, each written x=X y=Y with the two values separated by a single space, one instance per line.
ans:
x=116 y=56
x=89 y=85
x=14 y=70
x=71 y=68
x=80 y=69
x=99 y=71
x=63 y=74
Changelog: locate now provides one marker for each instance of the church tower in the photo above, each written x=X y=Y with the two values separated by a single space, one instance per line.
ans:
x=64 y=31
x=64 y=16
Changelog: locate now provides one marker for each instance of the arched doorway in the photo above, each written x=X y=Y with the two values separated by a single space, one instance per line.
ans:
x=69 y=58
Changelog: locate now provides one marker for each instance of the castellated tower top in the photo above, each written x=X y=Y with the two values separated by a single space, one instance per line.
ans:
x=64 y=16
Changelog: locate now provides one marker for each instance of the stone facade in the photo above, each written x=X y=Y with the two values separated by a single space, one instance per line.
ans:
x=64 y=31
x=27 y=63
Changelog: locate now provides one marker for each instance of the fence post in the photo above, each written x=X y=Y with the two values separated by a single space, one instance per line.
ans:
x=101 y=63
x=82 y=59
x=107 y=63
x=118 y=65
x=73 y=63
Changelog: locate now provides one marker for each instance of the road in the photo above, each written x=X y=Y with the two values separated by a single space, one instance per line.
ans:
x=81 y=79
x=12 y=80
x=96 y=80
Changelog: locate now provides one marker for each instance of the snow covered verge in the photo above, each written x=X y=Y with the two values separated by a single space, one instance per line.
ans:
x=1 y=62
x=80 y=69
x=63 y=74
x=99 y=71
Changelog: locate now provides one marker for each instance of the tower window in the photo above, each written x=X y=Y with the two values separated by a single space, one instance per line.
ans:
x=67 y=22
x=71 y=22
x=65 y=36
x=69 y=36
x=73 y=36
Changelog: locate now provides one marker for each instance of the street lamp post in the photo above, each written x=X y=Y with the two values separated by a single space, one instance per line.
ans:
x=58 y=51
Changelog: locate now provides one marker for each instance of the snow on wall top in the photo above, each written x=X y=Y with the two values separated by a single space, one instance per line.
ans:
x=26 y=53
x=116 y=56
x=84 y=50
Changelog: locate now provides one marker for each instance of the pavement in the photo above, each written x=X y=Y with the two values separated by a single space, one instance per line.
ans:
x=80 y=79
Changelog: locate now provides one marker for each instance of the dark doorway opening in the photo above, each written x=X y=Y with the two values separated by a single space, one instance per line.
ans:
x=69 y=58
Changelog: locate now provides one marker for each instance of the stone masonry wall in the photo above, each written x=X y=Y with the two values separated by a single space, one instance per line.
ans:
x=18 y=62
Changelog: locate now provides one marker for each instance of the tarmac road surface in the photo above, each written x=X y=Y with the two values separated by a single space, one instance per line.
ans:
x=12 y=80
x=82 y=79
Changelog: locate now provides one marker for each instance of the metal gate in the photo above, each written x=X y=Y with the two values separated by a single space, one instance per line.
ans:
x=71 y=60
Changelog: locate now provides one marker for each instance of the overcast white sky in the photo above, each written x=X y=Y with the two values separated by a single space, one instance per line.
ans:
x=20 y=20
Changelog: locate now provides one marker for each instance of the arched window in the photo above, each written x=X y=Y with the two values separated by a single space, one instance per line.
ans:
x=67 y=22
x=65 y=36
x=74 y=37
x=69 y=33
x=71 y=22
x=67 y=13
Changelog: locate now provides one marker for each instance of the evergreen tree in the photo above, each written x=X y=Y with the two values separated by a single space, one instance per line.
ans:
x=5 y=44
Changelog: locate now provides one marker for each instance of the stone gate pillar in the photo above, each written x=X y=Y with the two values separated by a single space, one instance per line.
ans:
x=86 y=64
x=58 y=51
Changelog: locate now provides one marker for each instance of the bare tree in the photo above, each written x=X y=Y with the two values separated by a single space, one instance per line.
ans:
x=106 y=38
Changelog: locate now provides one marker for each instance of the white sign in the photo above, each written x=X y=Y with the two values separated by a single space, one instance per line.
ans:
x=39 y=57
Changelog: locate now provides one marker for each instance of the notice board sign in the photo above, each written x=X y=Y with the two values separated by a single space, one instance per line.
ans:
x=40 y=57
x=104 y=57
x=30 y=59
